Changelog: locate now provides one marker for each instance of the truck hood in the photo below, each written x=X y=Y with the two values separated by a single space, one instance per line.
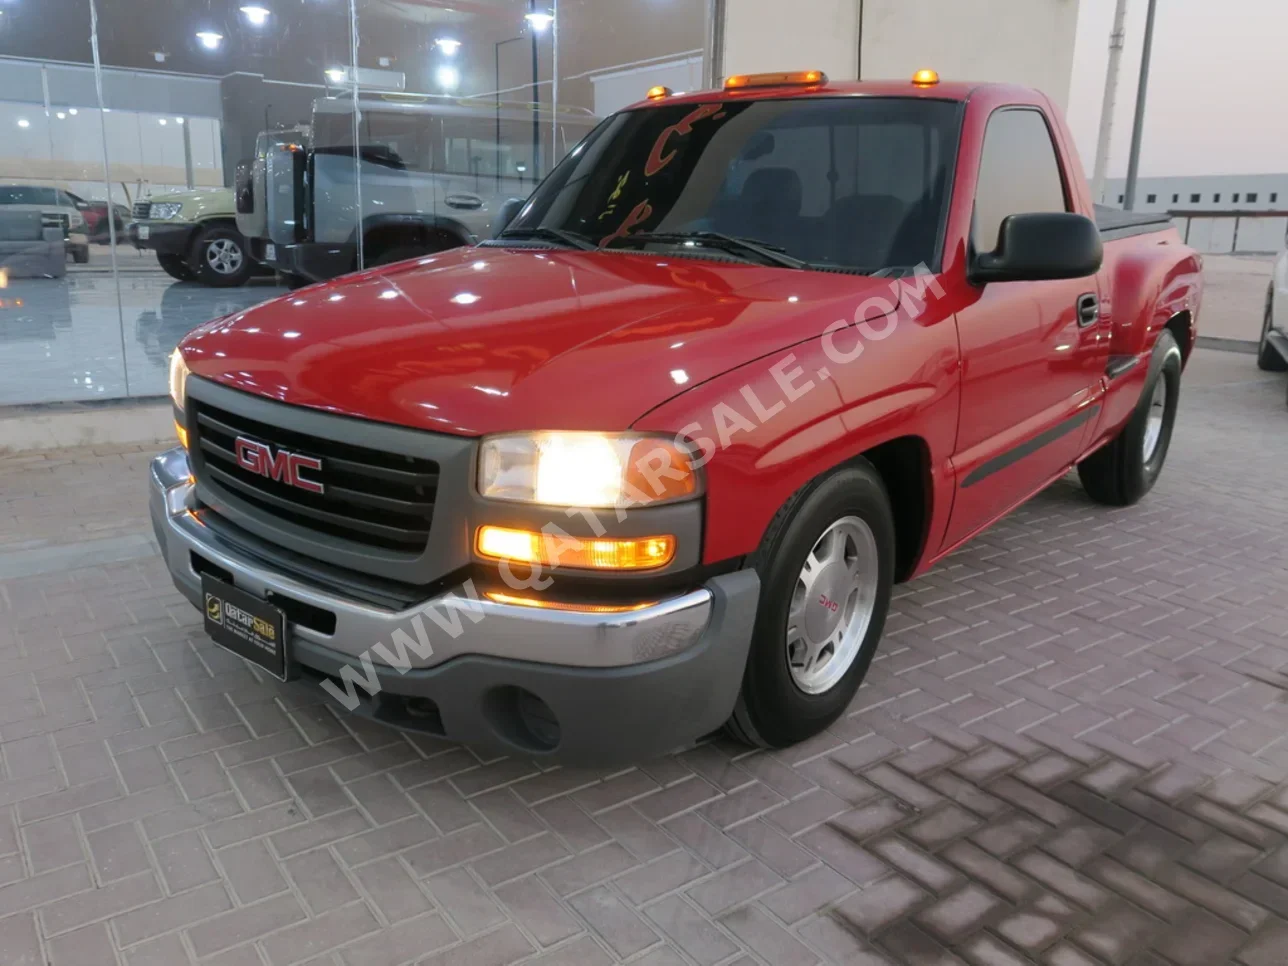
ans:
x=486 y=340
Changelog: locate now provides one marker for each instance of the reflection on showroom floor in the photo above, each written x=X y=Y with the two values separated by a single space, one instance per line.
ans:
x=61 y=339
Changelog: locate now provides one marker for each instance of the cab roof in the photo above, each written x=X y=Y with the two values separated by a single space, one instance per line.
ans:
x=941 y=91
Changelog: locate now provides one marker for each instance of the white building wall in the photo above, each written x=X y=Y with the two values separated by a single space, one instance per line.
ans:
x=1027 y=42
x=771 y=35
x=1217 y=192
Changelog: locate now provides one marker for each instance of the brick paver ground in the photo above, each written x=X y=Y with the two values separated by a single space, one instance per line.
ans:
x=1072 y=750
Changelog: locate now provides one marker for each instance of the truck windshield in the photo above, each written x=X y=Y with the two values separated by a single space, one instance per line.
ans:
x=837 y=183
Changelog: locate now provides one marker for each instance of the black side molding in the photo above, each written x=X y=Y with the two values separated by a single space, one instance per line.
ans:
x=1120 y=365
x=1029 y=447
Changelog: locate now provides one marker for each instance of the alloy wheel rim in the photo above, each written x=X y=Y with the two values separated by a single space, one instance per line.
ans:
x=832 y=605
x=1154 y=422
x=224 y=256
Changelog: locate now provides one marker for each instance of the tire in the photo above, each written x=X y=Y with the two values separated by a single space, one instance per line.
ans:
x=399 y=253
x=1125 y=469
x=1268 y=357
x=80 y=254
x=176 y=267
x=221 y=257
x=781 y=704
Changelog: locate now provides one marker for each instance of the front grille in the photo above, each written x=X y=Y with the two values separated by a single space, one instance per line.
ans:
x=371 y=497
x=142 y=210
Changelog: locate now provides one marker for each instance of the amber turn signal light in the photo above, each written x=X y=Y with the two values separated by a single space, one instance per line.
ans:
x=795 y=78
x=591 y=553
x=181 y=433
x=540 y=603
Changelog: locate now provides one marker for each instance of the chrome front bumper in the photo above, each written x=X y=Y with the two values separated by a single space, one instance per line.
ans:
x=671 y=669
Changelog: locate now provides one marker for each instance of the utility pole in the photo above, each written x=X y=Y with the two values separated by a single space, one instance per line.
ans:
x=1133 y=160
x=1116 y=38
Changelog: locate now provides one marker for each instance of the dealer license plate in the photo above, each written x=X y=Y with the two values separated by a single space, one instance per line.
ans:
x=246 y=625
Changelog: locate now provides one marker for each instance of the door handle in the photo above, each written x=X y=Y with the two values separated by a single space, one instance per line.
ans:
x=1088 y=310
x=464 y=202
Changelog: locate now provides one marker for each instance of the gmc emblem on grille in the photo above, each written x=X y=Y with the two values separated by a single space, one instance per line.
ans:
x=259 y=458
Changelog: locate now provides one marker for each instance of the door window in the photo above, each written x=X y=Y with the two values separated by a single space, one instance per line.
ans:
x=1019 y=173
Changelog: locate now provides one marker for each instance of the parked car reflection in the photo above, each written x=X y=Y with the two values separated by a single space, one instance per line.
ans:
x=186 y=305
x=34 y=309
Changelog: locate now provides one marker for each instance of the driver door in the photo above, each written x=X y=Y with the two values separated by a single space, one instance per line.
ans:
x=1031 y=352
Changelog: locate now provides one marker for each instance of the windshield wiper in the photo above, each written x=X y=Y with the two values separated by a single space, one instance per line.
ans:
x=746 y=247
x=568 y=238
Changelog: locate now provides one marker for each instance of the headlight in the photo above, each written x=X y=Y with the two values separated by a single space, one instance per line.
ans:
x=179 y=394
x=165 y=210
x=178 y=379
x=586 y=470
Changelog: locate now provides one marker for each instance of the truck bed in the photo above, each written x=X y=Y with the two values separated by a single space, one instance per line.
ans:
x=1116 y=223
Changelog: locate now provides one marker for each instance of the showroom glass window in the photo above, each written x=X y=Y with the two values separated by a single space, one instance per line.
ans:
x=846 y=182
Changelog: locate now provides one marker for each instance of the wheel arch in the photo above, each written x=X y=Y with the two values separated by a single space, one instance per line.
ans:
x=903 y=463
x=1181 y=325
x=383 y=232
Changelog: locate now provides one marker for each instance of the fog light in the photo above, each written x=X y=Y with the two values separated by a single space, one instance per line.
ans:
x=548 y=550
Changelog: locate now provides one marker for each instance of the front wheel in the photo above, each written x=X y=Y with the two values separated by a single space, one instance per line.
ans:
x=221 y=257
x=80 y=254
x=1268 y=357
x=826 y=567
x=1125 y=469
x=175 y=267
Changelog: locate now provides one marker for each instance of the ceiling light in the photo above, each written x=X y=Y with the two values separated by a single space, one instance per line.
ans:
x=336 y=75
x=23 y=122
x=448 y=46
x=448 y=78
x=61 y=115
x=209 y=39
x=72 y=111
x=539 y=21
x=159 y=56
x=178 y=120
x=386 y=61
x=161 y=121
x=255 y=15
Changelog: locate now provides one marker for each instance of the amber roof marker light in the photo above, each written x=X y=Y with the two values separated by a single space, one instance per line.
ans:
x=796 y=78
x=659 y=92
x=926 y=77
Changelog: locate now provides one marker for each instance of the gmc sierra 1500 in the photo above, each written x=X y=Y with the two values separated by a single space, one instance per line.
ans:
x=860 y=321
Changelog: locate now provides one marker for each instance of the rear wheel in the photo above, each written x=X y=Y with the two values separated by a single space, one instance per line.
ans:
x=292 y=281
x=221 y=257
x=400 y=254
x=826 y=567
x=1268 y=357
x=176 y=267
x=1124 y=470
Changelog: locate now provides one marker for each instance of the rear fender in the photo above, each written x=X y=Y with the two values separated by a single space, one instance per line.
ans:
x=1150 y=284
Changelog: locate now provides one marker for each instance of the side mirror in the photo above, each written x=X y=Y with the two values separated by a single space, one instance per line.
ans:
x=508 y=211
x=1041 y=246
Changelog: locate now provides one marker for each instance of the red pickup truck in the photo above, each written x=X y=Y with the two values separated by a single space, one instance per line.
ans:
x=650 y=462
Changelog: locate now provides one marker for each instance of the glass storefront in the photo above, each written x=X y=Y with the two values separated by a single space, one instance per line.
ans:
x=163 y=163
